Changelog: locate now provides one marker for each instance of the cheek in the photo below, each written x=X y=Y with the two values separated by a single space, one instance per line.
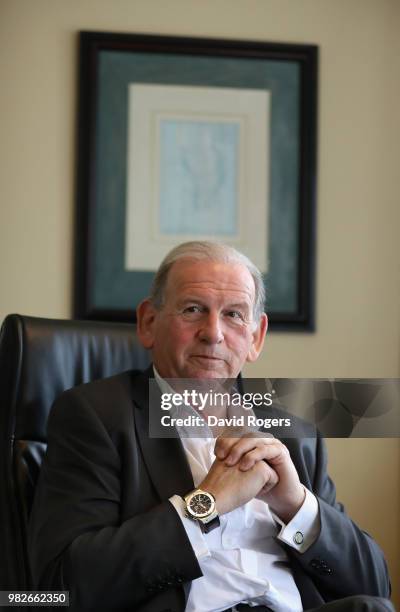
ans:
x=182 y=338
x=176 y=337
x=240 y=343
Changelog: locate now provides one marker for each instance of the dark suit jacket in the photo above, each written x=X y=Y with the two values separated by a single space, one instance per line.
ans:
x=102 y=526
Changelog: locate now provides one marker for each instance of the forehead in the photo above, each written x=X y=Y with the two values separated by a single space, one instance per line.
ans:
x=214 y=278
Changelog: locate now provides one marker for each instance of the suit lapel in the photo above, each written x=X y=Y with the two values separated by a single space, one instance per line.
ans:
x=165 y=458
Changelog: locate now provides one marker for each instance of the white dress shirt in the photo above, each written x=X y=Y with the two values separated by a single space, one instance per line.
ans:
x=242 y=561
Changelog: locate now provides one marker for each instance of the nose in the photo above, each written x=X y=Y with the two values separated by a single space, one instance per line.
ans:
x=210 y=330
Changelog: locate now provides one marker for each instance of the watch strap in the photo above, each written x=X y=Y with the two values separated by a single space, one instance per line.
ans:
x=207 y=527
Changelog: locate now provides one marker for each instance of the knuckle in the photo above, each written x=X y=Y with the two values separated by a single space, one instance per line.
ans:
x=282 y=448
x=234 y=453
x=273 y=480
x=221 y=441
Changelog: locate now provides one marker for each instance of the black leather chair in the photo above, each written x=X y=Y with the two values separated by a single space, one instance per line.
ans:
x=40 y=358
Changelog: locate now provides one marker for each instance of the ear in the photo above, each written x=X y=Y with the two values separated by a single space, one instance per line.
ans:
x=258 y=339
x=146 y=316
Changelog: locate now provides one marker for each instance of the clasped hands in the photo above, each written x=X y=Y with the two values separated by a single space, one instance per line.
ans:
x=254 y=466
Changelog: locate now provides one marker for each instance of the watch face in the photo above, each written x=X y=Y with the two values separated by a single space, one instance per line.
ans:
x=201 y=505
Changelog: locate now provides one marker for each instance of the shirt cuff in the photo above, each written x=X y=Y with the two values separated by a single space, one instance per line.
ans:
x=303 y=530
x=194 y=533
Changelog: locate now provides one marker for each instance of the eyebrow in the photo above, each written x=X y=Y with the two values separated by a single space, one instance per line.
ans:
x=190 y=299
x=244 y=305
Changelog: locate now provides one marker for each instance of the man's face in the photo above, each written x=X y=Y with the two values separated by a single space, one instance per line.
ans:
x=205 y=328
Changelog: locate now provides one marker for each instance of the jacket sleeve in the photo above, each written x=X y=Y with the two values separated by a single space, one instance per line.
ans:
x=77 y=541
x=344 y=560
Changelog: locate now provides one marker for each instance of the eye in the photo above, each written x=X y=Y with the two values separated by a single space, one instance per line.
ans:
x=192 y=309
x=236 y=315
x=192 y=312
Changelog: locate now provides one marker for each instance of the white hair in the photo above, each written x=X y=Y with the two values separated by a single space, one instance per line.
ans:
x=212 y=251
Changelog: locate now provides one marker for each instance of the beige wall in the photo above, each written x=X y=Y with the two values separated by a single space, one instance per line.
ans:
x=358 y=200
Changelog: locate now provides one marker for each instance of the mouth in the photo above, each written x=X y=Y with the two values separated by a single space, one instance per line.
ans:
x=207 y=357
x=208 y=362
x=208 y=366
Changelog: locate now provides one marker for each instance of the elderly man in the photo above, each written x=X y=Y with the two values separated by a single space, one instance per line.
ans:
x=126 y=521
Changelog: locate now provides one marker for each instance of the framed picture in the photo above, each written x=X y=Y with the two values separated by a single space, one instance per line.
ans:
x=194 y=139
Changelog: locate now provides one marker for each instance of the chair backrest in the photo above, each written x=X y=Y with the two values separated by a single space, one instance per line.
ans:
x=40 y=358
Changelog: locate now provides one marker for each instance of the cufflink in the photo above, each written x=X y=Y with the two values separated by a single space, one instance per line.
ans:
x=298 y=538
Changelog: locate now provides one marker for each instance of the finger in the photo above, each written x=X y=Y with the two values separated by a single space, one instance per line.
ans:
x=223 y=446
x=260 y=453
x=228 y=438
x=270 y=477
x=271 y=482
x=245 y=445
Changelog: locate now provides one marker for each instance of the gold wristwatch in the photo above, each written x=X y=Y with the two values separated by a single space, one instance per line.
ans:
x=201 y=507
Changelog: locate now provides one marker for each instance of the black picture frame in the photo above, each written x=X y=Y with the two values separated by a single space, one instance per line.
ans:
x=93 y=250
